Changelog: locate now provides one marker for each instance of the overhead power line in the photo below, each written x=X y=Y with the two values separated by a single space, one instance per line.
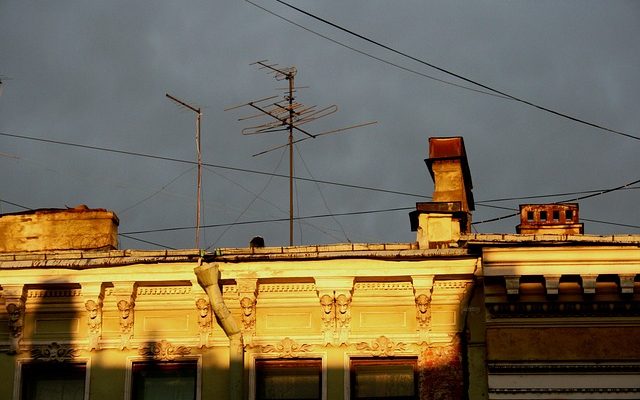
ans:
x=178 y=160
x=271 y=220
x=375 y=57
x=146 y=241
x=463 y=78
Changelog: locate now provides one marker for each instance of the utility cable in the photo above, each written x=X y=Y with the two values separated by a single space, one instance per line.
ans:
x=512 y=97
x=121 y=212
x=256 y=197
x=570 y=200
x=375 y=57
x=270 y=220
x=16 y=204
x=324 y=200
x=178 y=160
x=145 y=241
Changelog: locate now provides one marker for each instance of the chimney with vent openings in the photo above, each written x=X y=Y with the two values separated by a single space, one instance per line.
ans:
x=439 y=223
x=550 y=219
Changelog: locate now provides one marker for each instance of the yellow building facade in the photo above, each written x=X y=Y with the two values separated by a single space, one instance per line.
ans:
x=546 y=314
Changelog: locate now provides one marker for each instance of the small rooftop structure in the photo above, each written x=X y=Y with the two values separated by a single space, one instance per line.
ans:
x=550 y=218
x=441 y=221
x=78 y=228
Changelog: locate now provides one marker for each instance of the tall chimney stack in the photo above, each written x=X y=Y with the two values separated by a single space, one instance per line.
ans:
x=440 y=222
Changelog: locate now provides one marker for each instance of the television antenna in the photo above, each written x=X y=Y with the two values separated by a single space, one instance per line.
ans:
x=199 y=157
x=287 y=115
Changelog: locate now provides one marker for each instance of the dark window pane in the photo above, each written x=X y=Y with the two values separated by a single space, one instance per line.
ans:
x=288 y=379
x=392 y=378
x=53 y=381
x=164 y=380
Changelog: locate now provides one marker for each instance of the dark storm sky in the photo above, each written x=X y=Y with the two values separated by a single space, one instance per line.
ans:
x=96 y=73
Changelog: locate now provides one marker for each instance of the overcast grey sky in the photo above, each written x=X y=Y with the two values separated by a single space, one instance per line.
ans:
x=96 y=73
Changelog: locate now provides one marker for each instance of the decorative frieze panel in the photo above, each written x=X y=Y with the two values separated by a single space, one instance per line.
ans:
x=54 y=352
x=163 y=351
x=382 y=347
x=287 y=348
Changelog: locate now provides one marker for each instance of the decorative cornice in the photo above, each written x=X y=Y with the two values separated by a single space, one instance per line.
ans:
x=287 y=348
x=451 y=284
x=163 y=351
x=562 y=390
x=287 y=288
x=516 y=368
x=54 y=352
x=383 y=286
x=163 y=290
x=564 y=309
x=382 y=347
x=38 y=293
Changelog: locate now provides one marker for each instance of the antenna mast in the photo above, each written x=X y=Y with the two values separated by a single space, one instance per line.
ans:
x=199 y=157
x=287 y=115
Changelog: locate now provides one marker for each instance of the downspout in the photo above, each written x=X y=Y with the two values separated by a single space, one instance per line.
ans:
x=208 y=276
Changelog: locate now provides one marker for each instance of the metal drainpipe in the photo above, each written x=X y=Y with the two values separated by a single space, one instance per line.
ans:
x=208 y=277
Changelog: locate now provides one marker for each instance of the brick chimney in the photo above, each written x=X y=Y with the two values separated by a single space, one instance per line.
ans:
x=440 y=222
x=550 y=218
x=79 y=228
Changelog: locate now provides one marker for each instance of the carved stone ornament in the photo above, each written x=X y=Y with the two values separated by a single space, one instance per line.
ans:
x=163 y=351
x=204 y=321
x=126 y=322
x=382 y=347
x=54 y=352
x=16 y=322
x=287 y=348
x=328 y=306
x=248 y=306
x=423 y=311
x=94 y=322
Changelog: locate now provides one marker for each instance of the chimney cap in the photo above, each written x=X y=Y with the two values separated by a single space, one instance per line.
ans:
x=451 y=148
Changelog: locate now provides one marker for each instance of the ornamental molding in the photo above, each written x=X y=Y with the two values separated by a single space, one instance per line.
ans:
x=371 y=286
x=229 y=289
x=54 y=352
x=451 y=285
x=562 y=390
x=287 y=348
x=39 y=293
x=382 y=347
x=163 y=351
x=564 y=309
x=287 y=288
x=163 y=290
x=517 y=368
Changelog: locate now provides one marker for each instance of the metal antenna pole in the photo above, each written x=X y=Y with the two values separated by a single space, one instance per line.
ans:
x=287 y=115
x=291 y=86
x=199 y=157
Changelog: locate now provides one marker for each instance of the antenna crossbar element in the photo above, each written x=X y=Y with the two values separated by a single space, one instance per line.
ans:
x=286 y=115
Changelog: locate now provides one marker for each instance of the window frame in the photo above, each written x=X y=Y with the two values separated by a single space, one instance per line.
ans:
x=128 y=382
x=250 y=365
x=18 y=376
x=367 y=359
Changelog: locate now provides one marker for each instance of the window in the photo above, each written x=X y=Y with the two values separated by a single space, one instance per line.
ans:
x=288 y=379
x=53 y=381
x=384 y=378
x=164 y=380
